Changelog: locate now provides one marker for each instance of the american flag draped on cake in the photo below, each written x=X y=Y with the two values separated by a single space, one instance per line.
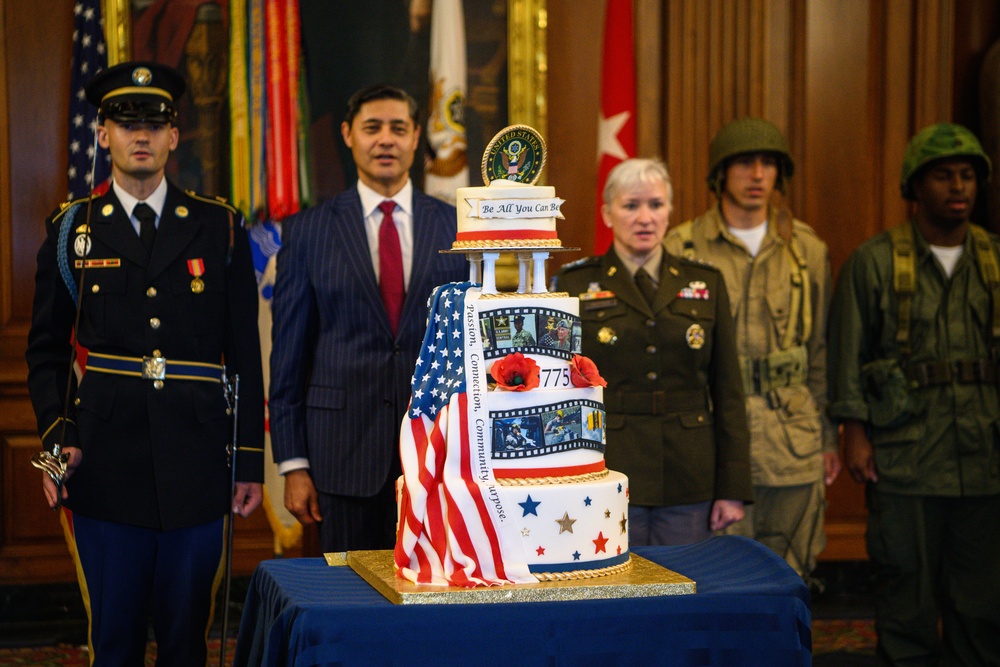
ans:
x=448 y=533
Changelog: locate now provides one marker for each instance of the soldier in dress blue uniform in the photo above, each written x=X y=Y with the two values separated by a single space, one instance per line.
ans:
x=167 y=305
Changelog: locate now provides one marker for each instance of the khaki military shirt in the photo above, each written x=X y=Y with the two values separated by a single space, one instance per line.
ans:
x=940 y=439
x=789 y=429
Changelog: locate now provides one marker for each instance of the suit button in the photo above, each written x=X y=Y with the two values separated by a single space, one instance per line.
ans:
x=651 y=375
x=387 y=402
x=397 y=350
x=76 y=401
x=154 y=322
x=650 y=323
x=650 y=349
x=95 y=288
x=151 y=292
x=157 y=384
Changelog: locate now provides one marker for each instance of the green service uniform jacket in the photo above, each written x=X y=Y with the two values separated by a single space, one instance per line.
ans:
x=676 y=423
x=789 y=427
x=934 y=437
x=154 y=453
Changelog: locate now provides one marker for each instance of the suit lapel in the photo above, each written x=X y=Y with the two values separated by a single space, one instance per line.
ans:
x=174 y=233
x=358 y=253
x=618 y=280
x=671 y=283
x=111 y=225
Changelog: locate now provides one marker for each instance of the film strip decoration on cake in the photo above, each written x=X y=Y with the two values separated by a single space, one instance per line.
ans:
x=548 y=429
x=530 y=330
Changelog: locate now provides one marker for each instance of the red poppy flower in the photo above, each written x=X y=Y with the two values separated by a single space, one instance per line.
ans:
x=515 y=372
x=583 y=373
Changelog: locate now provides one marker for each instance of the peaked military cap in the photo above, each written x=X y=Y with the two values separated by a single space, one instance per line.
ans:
x=136 y=92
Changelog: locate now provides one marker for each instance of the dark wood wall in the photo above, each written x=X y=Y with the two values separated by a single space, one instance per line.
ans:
x=848 y=81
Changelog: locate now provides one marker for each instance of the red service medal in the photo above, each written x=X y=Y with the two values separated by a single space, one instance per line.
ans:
x=196 y=267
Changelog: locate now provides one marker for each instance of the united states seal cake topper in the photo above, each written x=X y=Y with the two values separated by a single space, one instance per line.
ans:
x=516 y=153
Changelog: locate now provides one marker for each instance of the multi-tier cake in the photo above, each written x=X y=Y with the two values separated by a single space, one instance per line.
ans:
x=503 y=447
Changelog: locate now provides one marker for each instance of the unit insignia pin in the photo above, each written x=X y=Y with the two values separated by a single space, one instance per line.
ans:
x=181 y=212
x=607 y=336
x=81 y=246
x=695 y=336
x=107 y=210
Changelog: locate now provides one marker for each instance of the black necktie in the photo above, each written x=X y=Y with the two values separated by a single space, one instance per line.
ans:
x=147 y=224
x=644 y=282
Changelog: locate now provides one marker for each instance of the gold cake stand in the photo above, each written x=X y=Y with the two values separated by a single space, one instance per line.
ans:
x=643 y=579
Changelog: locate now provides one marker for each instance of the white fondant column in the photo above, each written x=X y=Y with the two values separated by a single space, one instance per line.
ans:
x=490 y=272
x=523 y=277
x=475 y=267
x=539 y=286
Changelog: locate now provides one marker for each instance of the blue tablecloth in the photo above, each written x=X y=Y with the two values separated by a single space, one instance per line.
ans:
x=750 y=609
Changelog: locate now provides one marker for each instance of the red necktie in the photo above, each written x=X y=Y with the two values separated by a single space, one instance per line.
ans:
x=390 y=261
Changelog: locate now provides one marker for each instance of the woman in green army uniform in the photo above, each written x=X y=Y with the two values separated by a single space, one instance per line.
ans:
x=660 y=330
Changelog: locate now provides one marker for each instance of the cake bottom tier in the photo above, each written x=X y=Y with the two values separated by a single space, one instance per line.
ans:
x=574 y=530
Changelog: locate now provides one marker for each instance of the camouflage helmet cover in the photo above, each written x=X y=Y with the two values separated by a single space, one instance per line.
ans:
x=938 y=142
x=747 y=135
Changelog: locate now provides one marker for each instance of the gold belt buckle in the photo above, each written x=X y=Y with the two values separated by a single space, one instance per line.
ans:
x=154 y=368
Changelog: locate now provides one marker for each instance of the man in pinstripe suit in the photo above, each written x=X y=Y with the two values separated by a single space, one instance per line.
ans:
x=342 y=355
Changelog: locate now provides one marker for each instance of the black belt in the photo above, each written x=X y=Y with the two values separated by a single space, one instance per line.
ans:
x=963 y=371
x=655 y=402
x=155 y=368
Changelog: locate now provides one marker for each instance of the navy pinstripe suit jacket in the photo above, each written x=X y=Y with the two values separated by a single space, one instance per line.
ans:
x=340 y=381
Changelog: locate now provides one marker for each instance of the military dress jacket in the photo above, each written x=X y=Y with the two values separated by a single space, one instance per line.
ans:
x=340 y=378
x=154 y=452
x=942 y=438
x=676 y=422
x=789 y=426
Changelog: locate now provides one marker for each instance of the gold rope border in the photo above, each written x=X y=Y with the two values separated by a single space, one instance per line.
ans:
x=547 y=481
x=512 y=244
x=521 y=295
x=585 y=574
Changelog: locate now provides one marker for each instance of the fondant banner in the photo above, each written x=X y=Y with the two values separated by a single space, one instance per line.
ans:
x=516 y=208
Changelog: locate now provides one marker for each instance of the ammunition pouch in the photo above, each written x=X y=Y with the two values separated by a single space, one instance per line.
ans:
x=886 y=391
x=782 y=368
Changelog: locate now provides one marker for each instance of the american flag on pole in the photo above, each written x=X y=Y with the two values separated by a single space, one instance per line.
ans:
x=616 y=125
x=448 y=531
x=89 y=57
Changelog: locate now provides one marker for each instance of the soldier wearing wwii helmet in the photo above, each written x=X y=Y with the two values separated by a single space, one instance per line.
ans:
x=158 y=285
x=777 y=272
x=913 y=380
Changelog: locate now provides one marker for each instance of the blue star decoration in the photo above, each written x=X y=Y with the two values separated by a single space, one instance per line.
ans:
x=619 y=488
x=576 y=555
x=530 y=506
x=587 y=501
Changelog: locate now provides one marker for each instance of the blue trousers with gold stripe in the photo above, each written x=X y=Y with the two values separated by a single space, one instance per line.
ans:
x=131 y=575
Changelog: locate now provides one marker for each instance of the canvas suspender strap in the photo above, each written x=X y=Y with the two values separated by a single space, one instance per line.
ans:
x=904 y=282
x=904 y=279
x=989 y=271
x=801 y=301
x=684 y=231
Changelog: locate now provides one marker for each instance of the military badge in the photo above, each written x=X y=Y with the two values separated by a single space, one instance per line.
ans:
x=181 y=212
x=612 y=270
x=607 y=336
x=108 y=210
x=695 y=336
x=516 y=153
x=696 y=289
x=81 y=246
x=196 y=267
x=141 y=76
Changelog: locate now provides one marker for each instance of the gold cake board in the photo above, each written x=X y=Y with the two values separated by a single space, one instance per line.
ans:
x=643 y=579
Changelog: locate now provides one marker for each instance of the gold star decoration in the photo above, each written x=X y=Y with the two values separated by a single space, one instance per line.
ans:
x=526 y=531
x=607 y=514
x=623 y=523
x=565 y=523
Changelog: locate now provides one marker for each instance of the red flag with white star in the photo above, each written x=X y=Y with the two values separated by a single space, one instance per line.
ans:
x=616 y=125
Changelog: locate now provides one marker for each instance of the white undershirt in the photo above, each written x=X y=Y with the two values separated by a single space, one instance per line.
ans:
x=752 y=238
x=948 y=256
x=155 y=201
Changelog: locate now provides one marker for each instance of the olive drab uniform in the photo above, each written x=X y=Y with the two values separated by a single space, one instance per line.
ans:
x=914 y=356
x=675 y=418
x=779 y=301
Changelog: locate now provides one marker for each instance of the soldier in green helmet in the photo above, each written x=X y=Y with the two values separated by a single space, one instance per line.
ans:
x=777 y=271
x=913 y=381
